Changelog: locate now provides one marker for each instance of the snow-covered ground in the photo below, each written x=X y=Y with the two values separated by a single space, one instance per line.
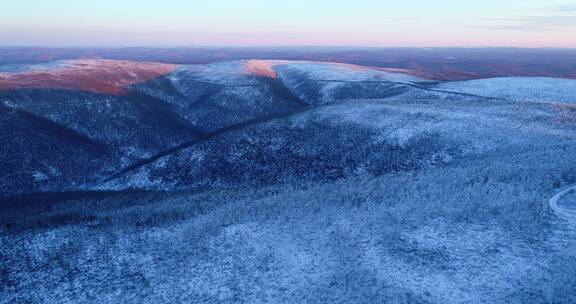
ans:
x=473 y=232
x=564 y=204
x=344 y=72
x=518 y=88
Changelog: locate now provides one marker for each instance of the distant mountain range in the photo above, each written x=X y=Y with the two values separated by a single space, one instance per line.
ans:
x=433 y=63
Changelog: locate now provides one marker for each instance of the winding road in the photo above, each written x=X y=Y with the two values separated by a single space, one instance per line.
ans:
x=565 y=213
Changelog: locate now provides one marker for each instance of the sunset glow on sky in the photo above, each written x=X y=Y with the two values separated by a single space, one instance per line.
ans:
x=521 y=23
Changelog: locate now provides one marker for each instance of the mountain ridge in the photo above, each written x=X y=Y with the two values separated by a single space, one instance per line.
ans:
x=168 y=117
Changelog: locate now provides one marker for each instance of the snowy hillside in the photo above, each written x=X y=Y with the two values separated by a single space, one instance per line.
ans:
x=343 y=72
x=168 y=127
x=538 y=89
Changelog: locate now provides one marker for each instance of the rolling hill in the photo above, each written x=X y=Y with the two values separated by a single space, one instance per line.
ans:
x=123 y=124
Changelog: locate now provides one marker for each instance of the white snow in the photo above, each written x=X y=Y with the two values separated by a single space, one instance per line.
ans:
x=347 y=72
x=538 y=89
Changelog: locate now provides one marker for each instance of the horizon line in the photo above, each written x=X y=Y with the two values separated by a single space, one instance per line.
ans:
x=71 y=46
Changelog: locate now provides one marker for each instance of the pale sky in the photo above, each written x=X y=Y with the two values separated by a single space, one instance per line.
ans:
x=520 y=23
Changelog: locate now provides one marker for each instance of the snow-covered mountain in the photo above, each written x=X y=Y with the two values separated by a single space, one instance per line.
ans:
x=101 y=124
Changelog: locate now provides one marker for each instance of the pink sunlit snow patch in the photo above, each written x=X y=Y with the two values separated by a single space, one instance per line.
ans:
x=260 y=68
x=98 y=76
